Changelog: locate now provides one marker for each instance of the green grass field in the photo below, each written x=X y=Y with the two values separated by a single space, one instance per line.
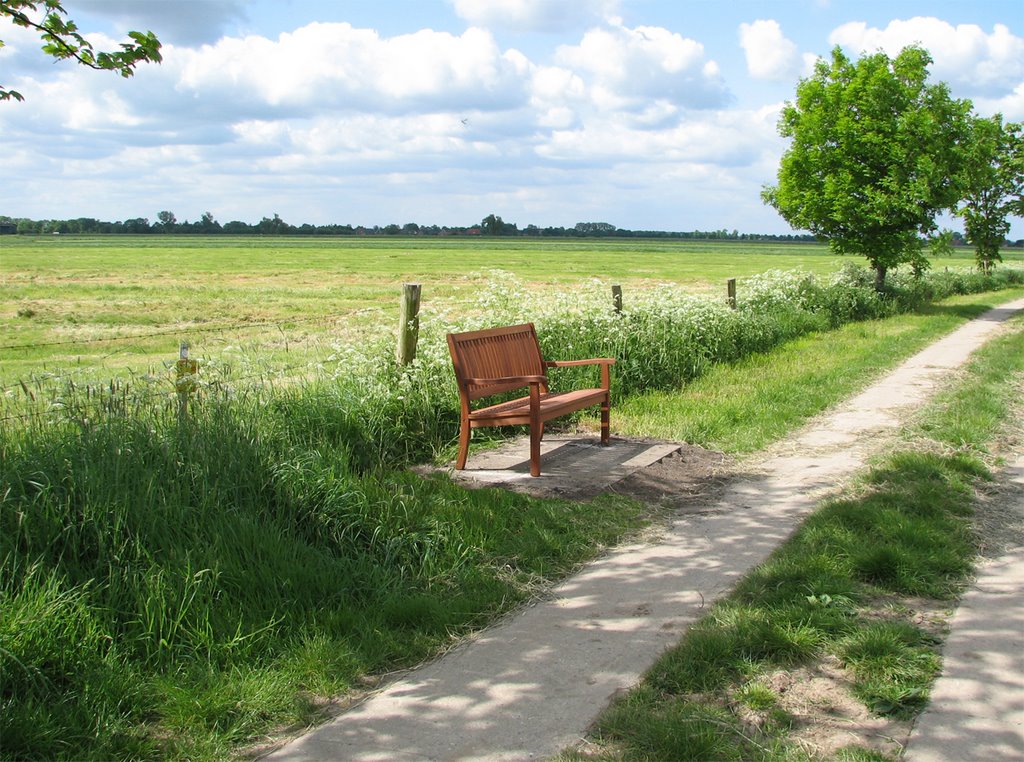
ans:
x=95 y=303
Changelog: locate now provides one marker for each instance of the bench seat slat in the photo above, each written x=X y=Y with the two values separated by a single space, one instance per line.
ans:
x=517 y=412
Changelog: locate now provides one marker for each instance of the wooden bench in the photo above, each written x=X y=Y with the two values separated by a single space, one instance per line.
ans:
x=500 y=360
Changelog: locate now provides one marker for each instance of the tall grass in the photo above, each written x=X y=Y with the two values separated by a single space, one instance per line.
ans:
x=147 y=561
x=167 y=581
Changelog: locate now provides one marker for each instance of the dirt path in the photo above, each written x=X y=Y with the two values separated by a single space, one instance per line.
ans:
x=531 y=685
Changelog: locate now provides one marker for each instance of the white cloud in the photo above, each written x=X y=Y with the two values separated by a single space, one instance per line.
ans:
x=769 y=54
x=557 y=84
x=320 y=145
x=534 y=15
x=107 y=110
x=708 y=160
x=628 y=66
x=972 y=61
x=336 y=66
x=322 y=95
x=557 y=96
x=330 y=122
x=1010 y=106
x=725 y=140
x=329 y=108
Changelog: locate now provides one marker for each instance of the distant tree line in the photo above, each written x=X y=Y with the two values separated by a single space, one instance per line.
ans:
x=166 y=223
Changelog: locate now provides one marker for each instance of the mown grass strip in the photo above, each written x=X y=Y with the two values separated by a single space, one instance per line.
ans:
x=844 y=587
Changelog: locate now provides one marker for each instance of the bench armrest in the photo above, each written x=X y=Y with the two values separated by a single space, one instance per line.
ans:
x=604 y=362
x=507 y=380
x=571 y=363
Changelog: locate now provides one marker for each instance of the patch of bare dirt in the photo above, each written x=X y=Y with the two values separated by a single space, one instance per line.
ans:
x=997 y=524
x=826 y=716
x=927 y=614
x=687 y=482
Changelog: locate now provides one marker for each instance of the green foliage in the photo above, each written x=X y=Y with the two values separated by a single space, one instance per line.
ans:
x=875 y=156
x=61 y=39
x=894 y=664
x=860 y=754
x=494 y=225
x=941 y=244
x=63 y=680
x=757 y=696
x=180 y=580
x=971 y=414
x=674 y=730
x=994 y=180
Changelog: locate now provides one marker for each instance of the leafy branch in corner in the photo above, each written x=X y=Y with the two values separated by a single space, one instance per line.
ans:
x=62 y=40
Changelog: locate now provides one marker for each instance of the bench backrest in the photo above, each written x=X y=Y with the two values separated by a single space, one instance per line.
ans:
x=494 y=353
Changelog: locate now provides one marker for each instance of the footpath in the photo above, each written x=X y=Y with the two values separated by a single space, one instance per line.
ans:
x=531 y=685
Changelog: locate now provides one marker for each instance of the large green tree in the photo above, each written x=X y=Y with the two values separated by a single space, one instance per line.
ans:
x=874 y=156
x=61 y=39
x=993 y=186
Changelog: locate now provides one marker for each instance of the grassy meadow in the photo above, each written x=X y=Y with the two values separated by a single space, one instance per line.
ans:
x=185 y=586
x=122 y=303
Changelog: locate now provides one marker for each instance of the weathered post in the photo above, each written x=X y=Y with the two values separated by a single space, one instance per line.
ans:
x=617 y=299
x=731 y=292
x=185 y=382
x=409 y=323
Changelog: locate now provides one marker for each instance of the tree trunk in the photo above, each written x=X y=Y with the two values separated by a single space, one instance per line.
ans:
x=880 y=271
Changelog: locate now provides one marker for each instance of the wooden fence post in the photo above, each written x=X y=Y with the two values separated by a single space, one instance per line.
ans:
x=186 y=382
x=731 y=292
x=617 y=299
x=409 y=323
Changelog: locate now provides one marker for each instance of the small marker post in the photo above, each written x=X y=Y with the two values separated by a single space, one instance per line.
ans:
x=409 y=323
x=617 y=299
x=185 y=382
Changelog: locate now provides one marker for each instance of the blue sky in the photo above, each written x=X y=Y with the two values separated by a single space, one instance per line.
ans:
x=648 y=114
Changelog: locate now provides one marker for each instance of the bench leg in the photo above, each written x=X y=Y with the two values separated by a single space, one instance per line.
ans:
x=605 y=421
x=536 y=433
x=464 y=433
x=536 y=429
